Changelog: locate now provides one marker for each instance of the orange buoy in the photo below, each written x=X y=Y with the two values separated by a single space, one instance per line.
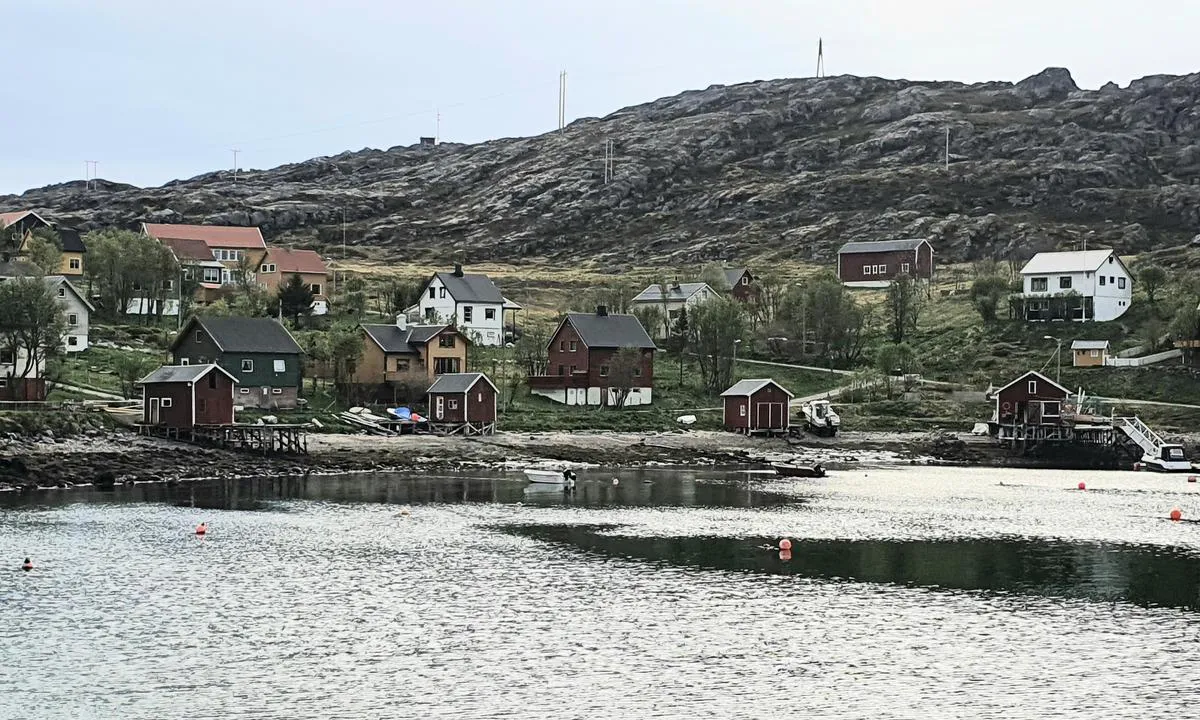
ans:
x=1082 y=486
x=202 y=528
x=27 y=565
x=785 y=555
x=1176 y=514
x=785 y=545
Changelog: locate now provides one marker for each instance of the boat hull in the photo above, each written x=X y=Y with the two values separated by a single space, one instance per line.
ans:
x=814 y=471
x=545 y=477
x=1167 y=466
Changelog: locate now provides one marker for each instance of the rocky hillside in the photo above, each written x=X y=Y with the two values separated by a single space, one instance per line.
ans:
x=781 y=169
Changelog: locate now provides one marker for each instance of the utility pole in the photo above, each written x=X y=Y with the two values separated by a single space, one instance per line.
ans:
x=947 y=149
x=437 y=128
x=820 y=57
x=91 y=172
x=608 y=161
x=235 y=165
x=343 y=234
x=562 y=101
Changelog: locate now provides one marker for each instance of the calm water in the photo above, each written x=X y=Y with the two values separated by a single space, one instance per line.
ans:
x=910 y=592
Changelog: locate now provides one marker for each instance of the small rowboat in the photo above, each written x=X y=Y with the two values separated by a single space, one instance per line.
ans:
x=549 y=477
x=808 y=471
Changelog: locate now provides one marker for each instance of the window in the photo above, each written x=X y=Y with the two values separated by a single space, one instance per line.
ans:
x=1039 y=284
x=75 y=264
x=1049 y=409
x=211 y=275
x=866 y=269
x=3 y=382
x=442 y=293
x=444 y=365
x=1032 y=387
x=562 y=345
x=1121 y=283
x=184 y=362
x=279 y=365
x=168 y=284
x=489 y=313
x=212 y=380
x=315 y=288
x=574 y=369
x=165 y=402
x=244 y=391
x=603 y=371
x=745 y=280
x=574 y=346
x=1095 y=353
x=452 y=404
x=8 y=357
x=276 y=391
x=904 y=267
x=1101 y=281
x=72 y=319
x=446 y=340
x=432 y=294
x=883 y=269
x=742 y=410
x=199 y=336
x=401 y=365
x=62 y=292
x=247 y=365
x=1112 y=280
x=479 y=397
x=1064 y=282
x=201 y=404
x=468 y=313
x=560 y=369
x=72 y=341
x=637 y=371
x=430 y=314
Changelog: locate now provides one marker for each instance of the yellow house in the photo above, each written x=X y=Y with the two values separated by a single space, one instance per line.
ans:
x=1089 y=353
x=20 y=226
x=73 y=251
x=409 y=354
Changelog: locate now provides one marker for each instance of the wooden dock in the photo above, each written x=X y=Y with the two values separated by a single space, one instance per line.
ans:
x=263 y=439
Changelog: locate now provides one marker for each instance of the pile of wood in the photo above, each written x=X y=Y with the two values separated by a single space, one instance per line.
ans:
x=364 y=419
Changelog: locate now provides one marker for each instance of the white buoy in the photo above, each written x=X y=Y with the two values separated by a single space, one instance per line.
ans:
x=616 y=481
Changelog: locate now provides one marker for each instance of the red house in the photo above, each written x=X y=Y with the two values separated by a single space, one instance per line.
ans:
x=1030 y=408
x=581 y=354
x=757 y=406
x=741 y=284
x=181 y=397
x=463 y=402
x=876 y=264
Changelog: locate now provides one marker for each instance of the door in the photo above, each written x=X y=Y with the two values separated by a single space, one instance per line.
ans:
x=778 y=416
x=439 y=407
x=154 y=411
x=762 y=416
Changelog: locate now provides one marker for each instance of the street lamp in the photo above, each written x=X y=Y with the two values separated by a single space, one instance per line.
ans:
x=733 y=364
x=1057 y=357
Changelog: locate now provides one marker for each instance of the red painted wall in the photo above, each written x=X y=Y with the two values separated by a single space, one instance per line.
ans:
x=770 y=394
x=560 y=353
x=850 y=267
x=216 y=389
x=481 y=403
x=179 y=415
x=1016 y=398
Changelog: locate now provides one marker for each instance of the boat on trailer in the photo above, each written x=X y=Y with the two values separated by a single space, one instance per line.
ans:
x=807 y=471
x=1170 y=458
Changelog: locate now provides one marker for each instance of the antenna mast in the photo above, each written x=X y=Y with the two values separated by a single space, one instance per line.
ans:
x=608 y=161
x=562 y=101
x=820 y=57
x=235 y=165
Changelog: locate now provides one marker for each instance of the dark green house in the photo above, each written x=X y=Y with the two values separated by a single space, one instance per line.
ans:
x=259 y=352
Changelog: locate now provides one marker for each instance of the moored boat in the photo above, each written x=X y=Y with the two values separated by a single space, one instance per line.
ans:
x=549 y=477
x=809 y=471
x=1170 y=458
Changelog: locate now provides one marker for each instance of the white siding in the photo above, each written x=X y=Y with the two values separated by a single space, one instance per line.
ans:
x=672 y=307
x=1110 y=300
x=17 y=368
x=76 y=339
x=443 y=307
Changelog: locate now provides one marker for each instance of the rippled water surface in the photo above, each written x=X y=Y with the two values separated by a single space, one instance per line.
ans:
x=909 y=592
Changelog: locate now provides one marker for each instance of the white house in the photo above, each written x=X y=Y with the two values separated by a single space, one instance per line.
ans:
x=677 y=297
x=76 y=310
x=1079 y=285
x=470 y=301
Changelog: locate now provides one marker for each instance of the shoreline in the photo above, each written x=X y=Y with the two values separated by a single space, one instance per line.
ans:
x=45 y=462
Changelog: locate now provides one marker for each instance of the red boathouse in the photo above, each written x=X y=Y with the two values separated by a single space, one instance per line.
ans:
x=185 y=396
x=757 y=406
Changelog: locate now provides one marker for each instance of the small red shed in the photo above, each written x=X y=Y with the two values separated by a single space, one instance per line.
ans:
x=1032 y=399
x=184 y=396
x=757 y=406
x=463 y=402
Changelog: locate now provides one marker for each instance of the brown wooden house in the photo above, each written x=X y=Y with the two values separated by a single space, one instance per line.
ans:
x=1028 y=406
x=182 y=397
x=741 y=284
x=757 y=406
x=397 y=358
x=876 y=264
x=463 y=403
x=580 y=360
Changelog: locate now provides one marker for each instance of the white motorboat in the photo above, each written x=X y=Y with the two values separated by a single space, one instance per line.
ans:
x=549 y=477
x=1170 y=458
x=819 y=418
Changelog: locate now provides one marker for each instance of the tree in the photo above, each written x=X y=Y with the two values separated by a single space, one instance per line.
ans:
x=987 y=292
x=32 y=325
x=44 y=250
x=295 y=299
x=904 y=306
x=623 y=372
x=769 y=292
x=652 y=317
x=354 y=298
x=679 y=340
x=399 y=295
x=716 y=324
x=344 y=345
x=713 y=275
x=131 y=367
x=123 y=266
x=825 y=315
x=897 y=358
x=1152 y=278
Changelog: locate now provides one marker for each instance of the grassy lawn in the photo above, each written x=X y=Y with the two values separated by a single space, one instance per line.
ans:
x=94 y=368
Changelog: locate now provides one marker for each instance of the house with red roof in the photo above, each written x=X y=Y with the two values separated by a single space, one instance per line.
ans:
x=280 y=264
x=232 y=247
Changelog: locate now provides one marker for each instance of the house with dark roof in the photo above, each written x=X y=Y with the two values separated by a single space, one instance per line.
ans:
x=469 y=301
x=400 y=360
x=259 y=352
x=280 y=265
x=180 y=397
x=18 y=227
x=876 y=264
x=670 y=300
x=73 y=251
x=230 y=246
x=757 y=406
x=463 y=403
x=741 y=284
x=76 y=311
x=581 y=368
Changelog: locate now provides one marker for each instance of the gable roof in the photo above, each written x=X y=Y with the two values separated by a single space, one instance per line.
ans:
x=675 y=291
x=18 y=268
x=470 y=287
x=734 y=275
x=183 y=374
x=393 y=340
x=749 y=387
x=16 y=216
x=188 y=249
x=882 y=246
x=296 y=261
x=1037 y=375
x=1089 y=345
x=609 y=331
x=55 y=280
x=1069 y=261
x=458 y=383
x=240 y=334
x=71 y=241
x=222 y=236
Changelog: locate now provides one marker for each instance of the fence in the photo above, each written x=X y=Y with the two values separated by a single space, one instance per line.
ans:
x=1145 y=359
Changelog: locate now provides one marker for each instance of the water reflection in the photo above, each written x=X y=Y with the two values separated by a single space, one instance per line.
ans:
x=1142 y=575
x=635 y=488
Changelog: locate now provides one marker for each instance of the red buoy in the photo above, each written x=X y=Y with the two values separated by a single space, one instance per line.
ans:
x=785 y=544
x=27 y=565
x=1176 y=514
x=202 y=528
x=1082 y=486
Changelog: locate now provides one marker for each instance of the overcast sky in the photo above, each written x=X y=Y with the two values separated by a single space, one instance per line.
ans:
x=162 y=89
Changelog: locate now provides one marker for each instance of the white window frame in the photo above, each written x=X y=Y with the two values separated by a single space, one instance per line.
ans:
x=489 y=313
x=279 y=366
x=904 y=267
x=1032 y=387
x=883 y=269
x=184 y=362
x=745 y=280
x=867 y=269
x=3 y=382
x=276 y=391
x=165 y=402
x=742 y=410
x=211 y=275
x=244 y=391
x=247 y=365
x=468 y=313
x=72 y=319
x=1095 y=353
x=1033 y=284
x=74 y=263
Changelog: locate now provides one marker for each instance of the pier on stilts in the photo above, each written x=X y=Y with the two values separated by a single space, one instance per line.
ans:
x=262 y=439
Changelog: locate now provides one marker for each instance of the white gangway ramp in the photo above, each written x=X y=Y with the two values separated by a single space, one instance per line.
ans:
x=1149 y=441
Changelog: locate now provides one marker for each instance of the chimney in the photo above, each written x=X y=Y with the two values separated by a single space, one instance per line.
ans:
x=402 y=321
x=602 y=310
x=458 y=270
